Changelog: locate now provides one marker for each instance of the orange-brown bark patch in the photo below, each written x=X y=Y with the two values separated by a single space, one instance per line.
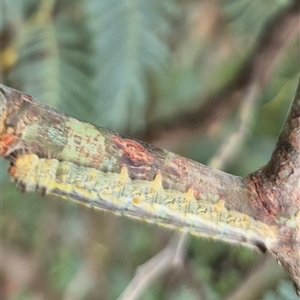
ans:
x=5 y=143
x=133 y=153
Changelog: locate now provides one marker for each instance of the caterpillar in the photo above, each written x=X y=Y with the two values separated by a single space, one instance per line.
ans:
x=142 y=199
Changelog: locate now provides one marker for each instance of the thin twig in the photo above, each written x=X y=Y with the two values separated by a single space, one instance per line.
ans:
x=271 y=43
x=258 y=281
x=170 y=257
x=233 y=143
x=81 y=284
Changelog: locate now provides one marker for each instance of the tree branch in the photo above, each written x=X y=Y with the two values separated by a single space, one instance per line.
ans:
x=124 y=175
x=278 y=188
x=53 y=153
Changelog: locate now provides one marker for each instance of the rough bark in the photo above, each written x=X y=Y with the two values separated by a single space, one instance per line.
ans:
x=278 y=187
x=259 y=210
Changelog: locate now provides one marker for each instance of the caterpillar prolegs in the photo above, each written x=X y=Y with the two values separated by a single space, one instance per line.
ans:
x=142 y=199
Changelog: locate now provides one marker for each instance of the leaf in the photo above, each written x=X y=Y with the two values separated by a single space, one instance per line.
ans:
x=128 y=41
x=53 y=63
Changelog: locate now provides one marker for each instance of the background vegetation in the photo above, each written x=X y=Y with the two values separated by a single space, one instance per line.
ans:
x=138 y=66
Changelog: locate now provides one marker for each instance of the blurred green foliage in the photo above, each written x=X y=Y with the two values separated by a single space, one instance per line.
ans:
x=284 y=291
x=121 y=64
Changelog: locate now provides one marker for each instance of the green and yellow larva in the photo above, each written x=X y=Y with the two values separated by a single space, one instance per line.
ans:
x=142 y=199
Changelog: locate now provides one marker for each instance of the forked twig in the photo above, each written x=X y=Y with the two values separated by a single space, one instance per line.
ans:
x=170 y=257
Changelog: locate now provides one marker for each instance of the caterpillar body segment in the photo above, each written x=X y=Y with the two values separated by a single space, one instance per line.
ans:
x=142 y=199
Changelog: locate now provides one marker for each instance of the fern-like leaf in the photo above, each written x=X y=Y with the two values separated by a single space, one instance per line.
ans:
x=53 y=60
x=128 y=41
